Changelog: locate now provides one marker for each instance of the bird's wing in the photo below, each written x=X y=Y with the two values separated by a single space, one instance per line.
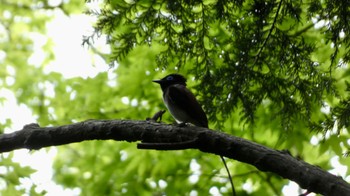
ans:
x=186 y=101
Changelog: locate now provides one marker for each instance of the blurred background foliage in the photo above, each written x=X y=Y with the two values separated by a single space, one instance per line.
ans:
x=272 y=72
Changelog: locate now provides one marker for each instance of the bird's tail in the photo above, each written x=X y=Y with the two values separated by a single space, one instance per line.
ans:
x=229 y=175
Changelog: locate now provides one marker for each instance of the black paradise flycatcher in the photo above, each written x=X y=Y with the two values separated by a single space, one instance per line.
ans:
x=180 y=101
x=183 y=105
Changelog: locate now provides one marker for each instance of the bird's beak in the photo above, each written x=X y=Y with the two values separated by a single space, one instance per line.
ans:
x=157 y=81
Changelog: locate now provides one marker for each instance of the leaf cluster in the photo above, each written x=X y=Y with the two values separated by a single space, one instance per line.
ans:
x=12 y=175
x=245 y=53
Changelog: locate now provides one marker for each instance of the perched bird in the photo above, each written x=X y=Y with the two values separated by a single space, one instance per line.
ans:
x=180 y=101
x=184 y=107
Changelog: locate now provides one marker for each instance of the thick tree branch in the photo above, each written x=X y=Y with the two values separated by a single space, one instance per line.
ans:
x=169 y=137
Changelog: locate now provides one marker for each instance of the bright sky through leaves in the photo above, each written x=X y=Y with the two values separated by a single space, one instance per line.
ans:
x=70 y=59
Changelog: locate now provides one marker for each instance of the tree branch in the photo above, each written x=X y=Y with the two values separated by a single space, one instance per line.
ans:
x=169 y=137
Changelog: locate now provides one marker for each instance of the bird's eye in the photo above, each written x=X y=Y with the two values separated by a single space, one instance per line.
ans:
x=170 y=78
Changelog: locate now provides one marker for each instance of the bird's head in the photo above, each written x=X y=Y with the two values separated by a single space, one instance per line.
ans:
x=171 y=80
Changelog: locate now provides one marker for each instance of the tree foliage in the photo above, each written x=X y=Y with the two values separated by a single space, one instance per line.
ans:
x=255 y=51
x=271 y=72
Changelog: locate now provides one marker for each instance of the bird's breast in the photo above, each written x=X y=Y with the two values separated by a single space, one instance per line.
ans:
x=179 y=115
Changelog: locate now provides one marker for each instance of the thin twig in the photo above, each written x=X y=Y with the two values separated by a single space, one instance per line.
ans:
x=269 y=34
